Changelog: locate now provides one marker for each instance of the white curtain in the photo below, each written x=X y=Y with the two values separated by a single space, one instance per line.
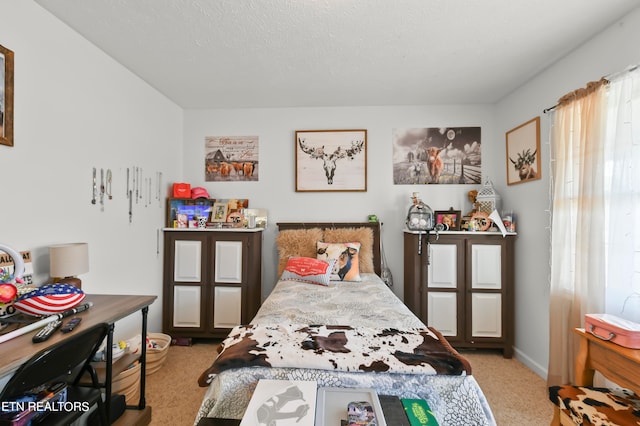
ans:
x=622 y=172
x=595 y=227
x=577 y=232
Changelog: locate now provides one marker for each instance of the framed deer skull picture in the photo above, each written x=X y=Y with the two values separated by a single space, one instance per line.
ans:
x=523 y=152
x=331 y=160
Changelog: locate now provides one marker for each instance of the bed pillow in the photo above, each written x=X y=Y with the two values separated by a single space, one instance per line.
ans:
x=362 y=235
x=308 y=270
x=346 y=255
x=296 y=242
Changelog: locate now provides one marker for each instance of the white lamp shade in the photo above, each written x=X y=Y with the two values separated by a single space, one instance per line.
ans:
x=69 y=260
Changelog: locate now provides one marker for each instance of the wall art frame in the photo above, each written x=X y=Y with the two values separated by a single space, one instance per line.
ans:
x=6 y=96
x=331 y=160
x=450 y=218
x=523 y=152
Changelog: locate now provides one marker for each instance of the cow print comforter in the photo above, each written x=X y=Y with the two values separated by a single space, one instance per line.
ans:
x=342 y=348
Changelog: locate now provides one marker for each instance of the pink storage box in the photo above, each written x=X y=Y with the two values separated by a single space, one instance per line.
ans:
x=617 y=330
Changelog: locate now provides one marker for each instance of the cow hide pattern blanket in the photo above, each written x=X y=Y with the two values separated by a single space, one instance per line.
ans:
x=343 y=348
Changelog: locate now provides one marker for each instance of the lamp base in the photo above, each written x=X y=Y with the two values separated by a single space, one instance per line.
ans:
x=74 y=281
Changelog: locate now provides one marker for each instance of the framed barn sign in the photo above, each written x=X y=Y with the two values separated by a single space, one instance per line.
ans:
x=523 y=152
x=331 y=160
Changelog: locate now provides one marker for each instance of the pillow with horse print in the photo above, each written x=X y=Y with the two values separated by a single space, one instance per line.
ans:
x=308 y=270
x=347 y=266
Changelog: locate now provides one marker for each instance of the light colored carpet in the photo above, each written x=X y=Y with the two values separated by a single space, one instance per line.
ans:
x=173 y=392
x=517 y=396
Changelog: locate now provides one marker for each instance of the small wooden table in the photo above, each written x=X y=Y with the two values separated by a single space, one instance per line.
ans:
x=619 y=364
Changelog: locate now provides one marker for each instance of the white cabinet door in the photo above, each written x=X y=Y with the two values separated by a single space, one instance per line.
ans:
x=486 y=266
x=188 y=261
x=227 y=307
x=442 y=312
x=486 y=315
x=443 y=266
x=228 y=262
x=186 y=305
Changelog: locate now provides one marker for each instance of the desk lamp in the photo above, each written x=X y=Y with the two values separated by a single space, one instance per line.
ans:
x=67 y=261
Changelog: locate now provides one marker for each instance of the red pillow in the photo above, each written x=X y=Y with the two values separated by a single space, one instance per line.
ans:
x=49 y=299
x=308 y=270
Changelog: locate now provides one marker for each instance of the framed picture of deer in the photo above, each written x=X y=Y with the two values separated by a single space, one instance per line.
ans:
x=331 y=160
x=523 y=152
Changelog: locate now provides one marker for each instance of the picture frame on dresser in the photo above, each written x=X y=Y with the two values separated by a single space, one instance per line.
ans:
x=449 y=218
x=321 y=160
x=6 y=96
x=219 y=212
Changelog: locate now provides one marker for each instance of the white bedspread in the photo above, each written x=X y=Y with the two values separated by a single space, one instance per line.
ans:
x=455 y=400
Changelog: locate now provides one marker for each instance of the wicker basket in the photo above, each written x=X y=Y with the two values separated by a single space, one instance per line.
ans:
x=127 y=383
x=156 y=356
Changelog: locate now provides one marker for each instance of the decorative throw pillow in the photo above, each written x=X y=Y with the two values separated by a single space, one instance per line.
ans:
x=49 y=299
x=308 y=270
x=296 y=242
x=347 y=266
x=362 y=235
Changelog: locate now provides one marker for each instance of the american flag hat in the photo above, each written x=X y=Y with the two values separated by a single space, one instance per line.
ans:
x=49 y=299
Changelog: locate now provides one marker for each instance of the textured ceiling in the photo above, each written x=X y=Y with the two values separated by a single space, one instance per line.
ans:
x=278 y=53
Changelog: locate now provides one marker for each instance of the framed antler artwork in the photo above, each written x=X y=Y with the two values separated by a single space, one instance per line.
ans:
x=523 y=152
x=331 y=160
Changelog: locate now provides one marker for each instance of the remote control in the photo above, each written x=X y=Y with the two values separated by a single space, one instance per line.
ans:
x=71 y=324
x=46 y=331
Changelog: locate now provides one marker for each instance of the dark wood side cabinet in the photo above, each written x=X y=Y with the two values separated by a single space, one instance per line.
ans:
x=212 y=281
x=462 y=283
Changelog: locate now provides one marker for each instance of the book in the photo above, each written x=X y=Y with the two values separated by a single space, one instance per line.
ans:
x=282 y=403
x=418 y=412
x=393 y=410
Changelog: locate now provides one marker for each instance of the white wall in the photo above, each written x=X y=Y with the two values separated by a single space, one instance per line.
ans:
x=275 y=189
x=75 y=109
x=609 y=52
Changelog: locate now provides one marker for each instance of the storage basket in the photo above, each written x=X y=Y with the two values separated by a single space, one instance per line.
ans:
x=127 y=383
x=157 y=355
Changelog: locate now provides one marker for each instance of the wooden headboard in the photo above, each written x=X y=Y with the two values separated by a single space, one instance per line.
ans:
x=374 y=226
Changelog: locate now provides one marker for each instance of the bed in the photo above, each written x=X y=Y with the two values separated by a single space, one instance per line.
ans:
x=309 y=330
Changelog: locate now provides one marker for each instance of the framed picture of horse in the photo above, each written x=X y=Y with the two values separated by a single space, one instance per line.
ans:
x=331 y=160
x=523 y=152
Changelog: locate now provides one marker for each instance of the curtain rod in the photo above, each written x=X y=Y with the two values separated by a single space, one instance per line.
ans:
x=607 y=77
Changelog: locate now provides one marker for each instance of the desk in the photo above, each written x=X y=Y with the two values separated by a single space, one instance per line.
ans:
x=106 y=308
x=619 y=364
